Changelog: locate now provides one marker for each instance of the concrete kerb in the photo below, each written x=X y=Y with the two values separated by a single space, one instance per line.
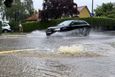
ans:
x=15 y=51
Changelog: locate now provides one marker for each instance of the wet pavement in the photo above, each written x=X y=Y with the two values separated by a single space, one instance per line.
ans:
x=60 y=55
x=15 y=65
x=38 y=40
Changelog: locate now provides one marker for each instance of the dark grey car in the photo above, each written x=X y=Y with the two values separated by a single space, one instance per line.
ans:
x=68 y=25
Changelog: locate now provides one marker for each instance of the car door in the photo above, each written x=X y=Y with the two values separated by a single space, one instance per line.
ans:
x=77 y=24
x=74 y=25
x=66 y=27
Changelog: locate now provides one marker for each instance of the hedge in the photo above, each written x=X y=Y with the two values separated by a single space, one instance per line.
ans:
x=0 y=27
x=101 y=23
x=97 y=23
x=14 y=26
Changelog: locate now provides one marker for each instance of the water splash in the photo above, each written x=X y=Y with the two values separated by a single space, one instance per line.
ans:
x=71 y=49
x=87 y=50
x=37 y=34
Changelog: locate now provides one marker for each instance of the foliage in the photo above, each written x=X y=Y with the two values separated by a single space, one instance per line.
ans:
x=1 y=2
x=30 y=26
x=0 y=27
x=101 y=23
x=14 y=25
x=53 y=9
x=28 y=6
x=19 y=10
x=96 y=23
x=8 y=3
x=107 y=10
x=1 y=7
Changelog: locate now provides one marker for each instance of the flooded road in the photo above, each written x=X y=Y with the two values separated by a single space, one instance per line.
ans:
x=16 y=65
x=60 y=55
x=96 y=42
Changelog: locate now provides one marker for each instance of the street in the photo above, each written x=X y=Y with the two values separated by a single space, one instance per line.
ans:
x=60 y=55
x=57 y=38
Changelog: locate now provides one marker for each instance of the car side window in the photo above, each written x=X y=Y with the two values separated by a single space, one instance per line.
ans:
x=82 y=22
x=78 y=23
x=75 y=23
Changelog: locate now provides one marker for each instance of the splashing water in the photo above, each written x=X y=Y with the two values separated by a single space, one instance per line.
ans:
x=87 y=49
x=71 y=49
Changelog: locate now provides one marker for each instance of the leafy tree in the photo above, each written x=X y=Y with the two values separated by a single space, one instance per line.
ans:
x=28 y=4
x=19 y=10
x=107 y=10
x=53 y=9
x=1 y=8
x=0 y=2
x=8 y=3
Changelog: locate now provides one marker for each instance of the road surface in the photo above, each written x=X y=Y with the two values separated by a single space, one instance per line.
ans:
x=60 y=55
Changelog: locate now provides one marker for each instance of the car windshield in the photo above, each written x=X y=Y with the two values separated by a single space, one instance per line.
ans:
x=64 y=23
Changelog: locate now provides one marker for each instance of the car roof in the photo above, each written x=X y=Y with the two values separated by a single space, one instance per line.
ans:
x=77 y=20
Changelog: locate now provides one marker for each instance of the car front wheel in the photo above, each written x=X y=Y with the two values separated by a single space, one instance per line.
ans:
x=5 y=31
x=49 y=32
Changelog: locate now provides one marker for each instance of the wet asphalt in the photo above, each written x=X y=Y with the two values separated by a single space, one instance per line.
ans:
x=34 y=64
x=39 y=41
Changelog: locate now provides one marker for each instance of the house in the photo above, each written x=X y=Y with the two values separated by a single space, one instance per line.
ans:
x=83 y=12
x=34 y=17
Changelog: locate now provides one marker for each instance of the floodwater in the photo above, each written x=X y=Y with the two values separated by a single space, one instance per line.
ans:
x=58 y=55
x=102 y=42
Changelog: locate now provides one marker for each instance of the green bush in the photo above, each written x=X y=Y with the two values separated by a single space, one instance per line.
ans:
x=111 y=16
x=30 y=26
x=97 y=23
x=103 y=23
x=14 y=26
x=0 y=27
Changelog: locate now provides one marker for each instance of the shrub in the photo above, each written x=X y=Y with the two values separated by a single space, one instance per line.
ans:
x=111 y=16
x=0 y=27
x=14 y=26
x=30 y=26
x=96 y=23
x=102 y=23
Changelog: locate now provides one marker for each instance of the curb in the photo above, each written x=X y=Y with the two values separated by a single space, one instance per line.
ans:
x=14 y=51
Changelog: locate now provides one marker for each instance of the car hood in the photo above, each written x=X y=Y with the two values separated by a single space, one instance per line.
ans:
x=52 y=27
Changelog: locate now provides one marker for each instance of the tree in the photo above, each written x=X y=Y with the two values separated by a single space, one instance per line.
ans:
x=19 y=10
x=8 y=3
x=105 y=10
x=53 y=9
x=28 y=4
x=1 y=8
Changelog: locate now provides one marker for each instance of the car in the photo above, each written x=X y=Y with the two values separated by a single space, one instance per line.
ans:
x=5 y=27
x=82 y=26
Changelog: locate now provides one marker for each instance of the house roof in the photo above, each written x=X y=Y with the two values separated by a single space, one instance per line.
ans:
x=34 y=17
x=80 y=8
